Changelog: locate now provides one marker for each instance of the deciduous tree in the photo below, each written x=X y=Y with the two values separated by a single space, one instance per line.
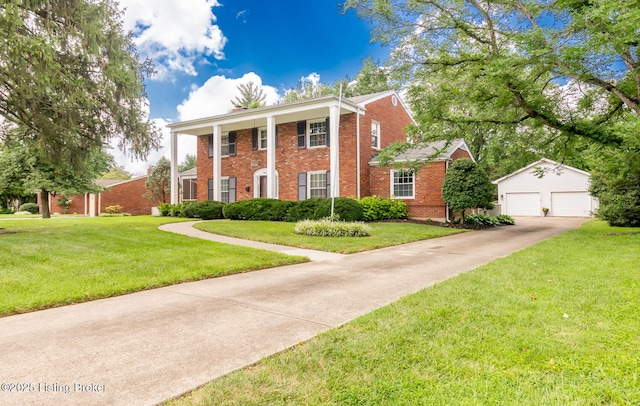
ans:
x=467 y=186
x=158 y=183
x=70 y=75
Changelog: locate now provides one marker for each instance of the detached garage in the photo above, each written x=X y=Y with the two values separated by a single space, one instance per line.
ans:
x=564 y=190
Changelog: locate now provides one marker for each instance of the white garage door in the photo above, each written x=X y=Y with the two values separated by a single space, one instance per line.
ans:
x=523 y=204
x=570 y=204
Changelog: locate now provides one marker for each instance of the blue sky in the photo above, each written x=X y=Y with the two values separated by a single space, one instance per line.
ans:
x=204 y=48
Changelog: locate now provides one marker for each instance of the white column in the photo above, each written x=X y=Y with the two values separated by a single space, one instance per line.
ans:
x=334 y=117
x=272 y=191
x=217 y=162
x=174 y=168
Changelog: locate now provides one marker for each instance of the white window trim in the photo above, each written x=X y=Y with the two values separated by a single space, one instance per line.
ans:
x=413 y=185
x=309 y=133
x=260 y=130
x=222 y=144
x=309 y=174
x=222 y=189
x=375 y=122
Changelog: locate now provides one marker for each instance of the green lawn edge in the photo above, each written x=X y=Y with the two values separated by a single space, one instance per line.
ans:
x=384 y=234
x=552 y=324
x=60 y=261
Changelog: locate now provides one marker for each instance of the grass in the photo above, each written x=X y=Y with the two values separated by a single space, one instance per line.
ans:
x=554 y=324
x=383 y=235
x=59 y=261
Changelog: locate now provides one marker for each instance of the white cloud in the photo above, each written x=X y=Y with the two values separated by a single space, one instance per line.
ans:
x=215 y=95
x=174 y=33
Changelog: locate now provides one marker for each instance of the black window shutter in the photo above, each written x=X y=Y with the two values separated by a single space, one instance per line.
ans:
x=328 y=183
x=232 y=142
x=302 y=134
x=210 y=146
x=302 y=186
x=210 y=187
x=254 y=139
x=328 y=143
x=232 y=189
x=276 y=136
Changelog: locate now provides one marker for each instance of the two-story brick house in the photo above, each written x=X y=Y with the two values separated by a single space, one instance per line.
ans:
x=319 y=147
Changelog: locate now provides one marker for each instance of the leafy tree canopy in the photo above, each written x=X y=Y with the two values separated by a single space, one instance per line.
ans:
x=158 y=183
x=190 y=161
x=71 y=76
x=554 y=76
x=251 y=96
x=23 y=172
x=116 y=172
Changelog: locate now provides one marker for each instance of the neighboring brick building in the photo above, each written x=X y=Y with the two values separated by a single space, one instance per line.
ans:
x=294 y=151
x=126 y=193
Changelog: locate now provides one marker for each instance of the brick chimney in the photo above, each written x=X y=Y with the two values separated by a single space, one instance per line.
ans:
x=149 y=170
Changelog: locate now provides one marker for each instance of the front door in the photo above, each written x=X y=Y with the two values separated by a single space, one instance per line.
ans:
x=263 y=186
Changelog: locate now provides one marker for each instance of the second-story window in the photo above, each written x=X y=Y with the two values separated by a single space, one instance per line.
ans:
x=317 y=133
x=262 y=138
x=375 y=134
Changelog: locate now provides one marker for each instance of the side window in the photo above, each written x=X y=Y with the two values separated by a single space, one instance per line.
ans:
x=375 y=134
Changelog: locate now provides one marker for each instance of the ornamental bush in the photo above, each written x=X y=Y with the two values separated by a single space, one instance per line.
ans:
x=329 y=228
x=303 y=210
x=206 y=210
x=30 y=207
x=505 y=219
x=377 y=208
x=480 y=220
x=345 y=209
x=114 y=209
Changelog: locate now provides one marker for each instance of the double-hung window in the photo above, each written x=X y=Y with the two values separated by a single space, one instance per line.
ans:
x=317 y=184
x=375 y=134
x=317 y=133
x=224 y=144
x=224 y=190
x=262 y=138
x=402 y=183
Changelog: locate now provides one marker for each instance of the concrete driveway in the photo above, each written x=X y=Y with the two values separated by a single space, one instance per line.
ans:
x=146 y=347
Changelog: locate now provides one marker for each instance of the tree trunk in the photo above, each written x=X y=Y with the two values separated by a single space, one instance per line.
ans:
x=44 y=203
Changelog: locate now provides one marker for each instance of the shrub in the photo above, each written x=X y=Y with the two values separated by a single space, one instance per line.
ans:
x=480 y=220
x=377 y=208
x=206 y=210
x=64 y=202
x=30 y=207
x=303 y=210
x=164 y=209
x=114 y=209
x=22 y=213
x=346 y=209
x=329 y=228
x=505 y=219
x=257 y=209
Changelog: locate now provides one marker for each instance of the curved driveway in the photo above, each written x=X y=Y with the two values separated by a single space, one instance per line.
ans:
x=149 y=346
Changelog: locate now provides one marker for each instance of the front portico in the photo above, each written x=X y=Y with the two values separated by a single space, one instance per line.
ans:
x=264 y=123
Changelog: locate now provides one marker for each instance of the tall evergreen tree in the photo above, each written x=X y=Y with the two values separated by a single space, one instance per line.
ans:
x=251 y=96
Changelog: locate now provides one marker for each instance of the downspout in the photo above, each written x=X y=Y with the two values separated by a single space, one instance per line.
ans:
x=358 y=152
x=446 y=168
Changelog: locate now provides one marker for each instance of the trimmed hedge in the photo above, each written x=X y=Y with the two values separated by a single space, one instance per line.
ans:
x=257 y=209
x=30 y=207
x=205 y=210
x=281 y=210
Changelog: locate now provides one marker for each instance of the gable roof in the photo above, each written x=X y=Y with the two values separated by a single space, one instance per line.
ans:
x=539 y=163
x=107 y=183
x=189 y=172
x=369 y=98
x=434 y=151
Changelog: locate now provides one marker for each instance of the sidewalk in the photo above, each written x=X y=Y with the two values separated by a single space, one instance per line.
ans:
x=147 y=347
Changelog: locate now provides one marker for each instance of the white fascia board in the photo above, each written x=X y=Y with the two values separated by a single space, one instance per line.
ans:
x=262 y=113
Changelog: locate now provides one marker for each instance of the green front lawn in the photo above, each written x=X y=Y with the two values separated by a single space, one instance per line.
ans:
x=383 y=235
x=57 y=261
x=554 y=324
